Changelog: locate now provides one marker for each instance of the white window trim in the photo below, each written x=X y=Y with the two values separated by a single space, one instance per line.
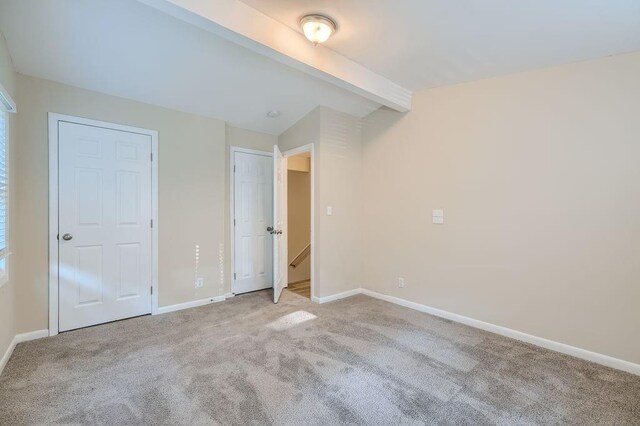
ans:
x=7 y=105
x=6 y=101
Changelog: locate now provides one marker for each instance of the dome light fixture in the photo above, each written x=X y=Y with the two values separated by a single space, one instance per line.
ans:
x=317 y=28
x=274 y=113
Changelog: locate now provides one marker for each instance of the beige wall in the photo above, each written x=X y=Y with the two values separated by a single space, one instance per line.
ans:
x=241 y=138
x=299 y=163
x=339 y=184
x=8 y=328
x=337 y=178
x=304 y=132
x=299 y=220
x=191 y=192
x=244 y=138
x=539 y=177
x=193 y=195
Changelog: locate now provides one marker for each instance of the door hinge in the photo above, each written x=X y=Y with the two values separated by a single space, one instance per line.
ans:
x=234 y=275
x=151 y=223
x=234 y=168
x=152 y=290
x=151 y=157
x=234 y=222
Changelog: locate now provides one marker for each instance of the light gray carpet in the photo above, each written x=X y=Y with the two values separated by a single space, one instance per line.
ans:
x=353 y=361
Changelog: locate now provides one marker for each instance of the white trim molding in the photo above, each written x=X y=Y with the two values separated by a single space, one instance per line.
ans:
x=32 y=335
x=192 y=304
x=19 y=338
x=54 y=119
x=584 y=354
x=7 y=101
x=7 y=106
x=337 y=296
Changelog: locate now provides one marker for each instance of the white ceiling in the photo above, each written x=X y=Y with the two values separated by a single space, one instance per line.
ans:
x=428 y=43
x=124 y=48
x=127 y=49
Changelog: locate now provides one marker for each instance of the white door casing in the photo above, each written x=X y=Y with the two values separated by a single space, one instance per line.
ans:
x=105 y=210
x=252 y=213
x=279 y=232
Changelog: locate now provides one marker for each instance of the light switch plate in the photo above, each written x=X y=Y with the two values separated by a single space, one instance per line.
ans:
x=438 y=216
x=329 y=210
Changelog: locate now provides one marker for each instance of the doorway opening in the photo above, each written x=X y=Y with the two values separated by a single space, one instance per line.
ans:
x=272 y=221
x=299 y=223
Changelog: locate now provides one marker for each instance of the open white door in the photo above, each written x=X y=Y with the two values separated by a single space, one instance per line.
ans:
x=278 y=230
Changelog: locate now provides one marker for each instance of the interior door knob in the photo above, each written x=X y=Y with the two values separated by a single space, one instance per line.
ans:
x=67 y=237
x=271 y=230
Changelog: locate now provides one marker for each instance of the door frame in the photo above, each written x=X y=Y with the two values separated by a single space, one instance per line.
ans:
x=310 y=148
x=232 y=189
x=54 y=120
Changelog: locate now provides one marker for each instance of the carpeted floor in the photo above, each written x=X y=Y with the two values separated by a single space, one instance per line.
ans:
x=354 y=361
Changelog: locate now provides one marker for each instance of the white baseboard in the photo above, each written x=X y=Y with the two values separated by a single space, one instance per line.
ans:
x=229 y=295
x=7 y=354
x=598 y=358
x=192 y=304
x=33 y=335
x=336 y=296
x=19 y=338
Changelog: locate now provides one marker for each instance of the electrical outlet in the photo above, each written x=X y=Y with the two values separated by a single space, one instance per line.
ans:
x=199 y=282
x=401 y=282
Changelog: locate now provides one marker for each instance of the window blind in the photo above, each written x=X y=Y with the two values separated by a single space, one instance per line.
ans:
x=3 y=184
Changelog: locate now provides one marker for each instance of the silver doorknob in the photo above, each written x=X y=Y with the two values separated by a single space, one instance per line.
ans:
x=67 y=237
x=271 y=230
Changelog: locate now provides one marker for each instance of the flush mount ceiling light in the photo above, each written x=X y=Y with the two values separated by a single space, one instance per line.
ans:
x=273 y=113
x=317 y=28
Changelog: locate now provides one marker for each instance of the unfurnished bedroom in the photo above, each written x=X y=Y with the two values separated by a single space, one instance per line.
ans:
x=354 y=212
